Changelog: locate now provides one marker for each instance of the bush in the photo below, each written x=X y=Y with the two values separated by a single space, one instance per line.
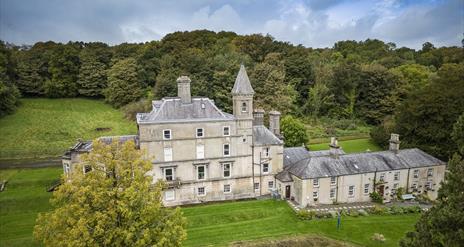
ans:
x=363 y=212
x=400 y=193
x=412 y=209
x=376 y=197
x=378 y=210
x=396 y=210
x=354 y=213
x=130 y=110
x=305 y=214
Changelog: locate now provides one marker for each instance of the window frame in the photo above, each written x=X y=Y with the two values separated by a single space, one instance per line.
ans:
x=333 y=180
x=204 y=172
x=382 y=177
x=396 y=176
x=269 y=183
x=173 y=177
x=428 y=185
x=256 y=186
x=266 y=151
x=224 y=170
x=202 y=132
x=316 y=182
x=165 y=157
x=224 y=130
x=202 y=193
x=366 y=187
x=174 y=195
x=430 y=172
x=268 y=168
x=224 y=189
x=164 y=134
x=244 y=107
x=351 y=189
x=224 y=150
x=334 y=190
x=315 y=194
x=415 y=173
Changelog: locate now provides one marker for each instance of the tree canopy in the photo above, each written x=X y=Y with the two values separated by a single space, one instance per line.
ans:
x=114 y=204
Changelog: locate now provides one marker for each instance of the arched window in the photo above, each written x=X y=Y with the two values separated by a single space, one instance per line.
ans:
x=244 y=107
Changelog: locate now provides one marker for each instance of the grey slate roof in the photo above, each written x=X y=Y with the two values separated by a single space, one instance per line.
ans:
x=348 y=164
x=173 y=110
x=325 y=152
x=86 y=146
x=242 y=83
x=284 y=176
x=263 y=136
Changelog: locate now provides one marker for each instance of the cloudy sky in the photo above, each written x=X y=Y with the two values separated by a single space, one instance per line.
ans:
x=313 y=23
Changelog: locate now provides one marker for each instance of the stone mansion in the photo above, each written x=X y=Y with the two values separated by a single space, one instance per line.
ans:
x=205 y=154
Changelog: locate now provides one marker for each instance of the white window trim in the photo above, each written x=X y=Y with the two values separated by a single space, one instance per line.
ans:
x=230 y=189
x=382 y=177
x=223 y=130
x=415 y=173
x=267 y=151
x=334 y=193
x=170 y=199
x=204 y=191
x=316 y=182
x=430 y=172
x=269 y=182
x=368 y=189
x=396 y=176
x=224 y=168
x=268 y=168
x=170 y=134
x=352 y=194
x=334 y=182
x=202 y=132
x=315 y=193
x=254 y=187
x=173 y=173
x=166 y=157
x=244 y=104
x=204 y=171
x=224 y=149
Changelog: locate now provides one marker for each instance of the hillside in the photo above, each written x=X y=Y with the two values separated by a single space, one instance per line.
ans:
x=47 y=127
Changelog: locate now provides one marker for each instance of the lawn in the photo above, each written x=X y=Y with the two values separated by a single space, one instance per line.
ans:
x=220 y=224
x=349 y=146
x=214 y=224
x=47 y=127
x=24 y=197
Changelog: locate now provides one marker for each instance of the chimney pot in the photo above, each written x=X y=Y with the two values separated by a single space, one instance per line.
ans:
x=394 y=142
x=183 y=89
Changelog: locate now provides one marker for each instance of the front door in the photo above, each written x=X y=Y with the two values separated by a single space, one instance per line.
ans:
x=287 y=192
x=381 y=190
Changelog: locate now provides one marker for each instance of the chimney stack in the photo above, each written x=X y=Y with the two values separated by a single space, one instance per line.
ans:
x=274 y=122
x=394 y=142
x=258 y=117
x=183 y=89
x=334 y=148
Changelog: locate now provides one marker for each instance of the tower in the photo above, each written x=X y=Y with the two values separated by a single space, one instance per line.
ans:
x=242 y=96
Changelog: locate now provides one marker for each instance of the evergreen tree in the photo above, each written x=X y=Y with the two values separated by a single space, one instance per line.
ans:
x=123 y=83
x=115 y=204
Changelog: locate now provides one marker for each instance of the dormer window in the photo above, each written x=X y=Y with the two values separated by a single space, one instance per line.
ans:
x=244 y=107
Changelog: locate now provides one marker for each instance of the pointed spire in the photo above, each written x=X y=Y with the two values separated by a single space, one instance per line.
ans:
x=242 y=83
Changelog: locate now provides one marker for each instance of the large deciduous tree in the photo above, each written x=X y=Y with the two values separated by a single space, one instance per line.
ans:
x=294 y=132
x=115 y=204
x=123 y=83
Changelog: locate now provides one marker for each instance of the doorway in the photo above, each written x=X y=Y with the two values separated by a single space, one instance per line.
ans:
x=287 y=192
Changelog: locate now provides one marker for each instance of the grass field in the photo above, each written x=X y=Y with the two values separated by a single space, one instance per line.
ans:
x=24 y=197
x=215 y=224
x=349 y=146
x=46 y=127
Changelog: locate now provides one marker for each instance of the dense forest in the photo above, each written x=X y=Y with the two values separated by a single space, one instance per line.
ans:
x=416 y=93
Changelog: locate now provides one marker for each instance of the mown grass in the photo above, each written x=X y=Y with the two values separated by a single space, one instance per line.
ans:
x=24 y=197
x=221 y=224
x=47 y=127
x=215 y=224
x=349 y=146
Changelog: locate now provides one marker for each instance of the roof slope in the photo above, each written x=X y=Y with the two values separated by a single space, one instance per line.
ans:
x=347 y=164
x=173 y=110
x=242 y=83
x=263 y=136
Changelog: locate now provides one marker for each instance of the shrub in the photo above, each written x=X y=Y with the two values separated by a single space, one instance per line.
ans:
x=378 y=237
x=363 y=212
x=376 y=197
x=130 y=110
x=412 y=209
x=354 y=213
x=378 y=210
x=305 y=214
x=396 y=210
x=400 y=193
